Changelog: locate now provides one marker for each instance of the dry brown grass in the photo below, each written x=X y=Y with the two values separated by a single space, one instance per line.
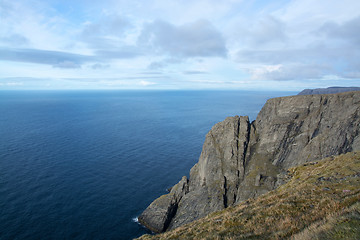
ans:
x=340 y=225
x=318 y=196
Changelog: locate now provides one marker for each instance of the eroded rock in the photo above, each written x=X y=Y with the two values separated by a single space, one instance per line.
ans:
x=240 y=160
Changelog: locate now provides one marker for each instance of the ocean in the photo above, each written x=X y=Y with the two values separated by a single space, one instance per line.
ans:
x=85 y=164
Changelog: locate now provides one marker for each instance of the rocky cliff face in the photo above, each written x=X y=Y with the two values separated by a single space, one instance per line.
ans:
x=241 y=160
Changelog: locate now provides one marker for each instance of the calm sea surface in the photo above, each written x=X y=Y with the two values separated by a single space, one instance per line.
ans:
x=85 y=164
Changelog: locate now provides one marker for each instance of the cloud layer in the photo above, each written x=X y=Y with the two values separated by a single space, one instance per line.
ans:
x=195 y=39
x=54 y=58
x=189 y=44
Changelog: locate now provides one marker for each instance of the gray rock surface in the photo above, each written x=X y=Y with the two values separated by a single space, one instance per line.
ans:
x=328 y=90
x=241 y=160
x=159 y=214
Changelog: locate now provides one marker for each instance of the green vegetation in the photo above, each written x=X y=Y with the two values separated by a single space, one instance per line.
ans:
x=320 y=201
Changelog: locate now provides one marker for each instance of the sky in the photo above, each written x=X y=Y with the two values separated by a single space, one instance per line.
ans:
x=179 y=44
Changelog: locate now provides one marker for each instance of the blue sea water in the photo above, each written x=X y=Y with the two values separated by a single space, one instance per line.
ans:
x=85 y=164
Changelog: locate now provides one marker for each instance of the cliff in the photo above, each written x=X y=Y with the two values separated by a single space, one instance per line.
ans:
x=242 y=160
x=320 y=200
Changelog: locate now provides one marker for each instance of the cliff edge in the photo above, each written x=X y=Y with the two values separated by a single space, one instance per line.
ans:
x=320 y=200
x=241 y=160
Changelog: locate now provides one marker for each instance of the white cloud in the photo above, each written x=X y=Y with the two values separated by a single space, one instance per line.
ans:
x=106 y=33
x=36 y=22
x=54 y=58
x=294 y=42
x=195 y=39
x=309 y=13
x=347 y=31
x=146 y=83
x=309 y=40
x=99 y=66
x=14 y=40
x=265 y=31
x=67 y=64
x=289 y=72
x=10 y=84
x=194 y=72
x=178 y=12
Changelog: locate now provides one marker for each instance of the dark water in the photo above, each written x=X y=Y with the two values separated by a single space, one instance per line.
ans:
x=83 y=165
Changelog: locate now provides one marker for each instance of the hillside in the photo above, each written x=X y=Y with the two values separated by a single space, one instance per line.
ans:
x=242 y=159
x=320 y=200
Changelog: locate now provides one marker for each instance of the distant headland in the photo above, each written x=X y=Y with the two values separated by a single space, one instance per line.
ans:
x=328 y=90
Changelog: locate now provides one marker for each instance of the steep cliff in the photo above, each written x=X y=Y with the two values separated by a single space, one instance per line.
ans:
x=320 y=200
x=241 y=160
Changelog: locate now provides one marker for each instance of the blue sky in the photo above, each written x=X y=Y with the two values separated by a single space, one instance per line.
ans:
x=179 y=44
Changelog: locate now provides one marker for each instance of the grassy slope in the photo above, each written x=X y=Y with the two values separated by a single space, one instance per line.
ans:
x=320 y=201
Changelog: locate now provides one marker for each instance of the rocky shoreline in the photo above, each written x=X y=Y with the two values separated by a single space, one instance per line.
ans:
x=242 y=160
